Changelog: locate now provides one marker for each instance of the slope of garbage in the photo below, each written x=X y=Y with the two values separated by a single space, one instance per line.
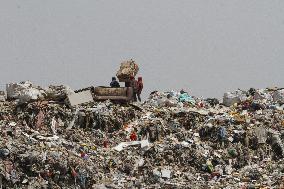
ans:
x=172 y=140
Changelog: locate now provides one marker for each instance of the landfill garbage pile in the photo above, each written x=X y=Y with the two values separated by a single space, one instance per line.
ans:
x=172 y=140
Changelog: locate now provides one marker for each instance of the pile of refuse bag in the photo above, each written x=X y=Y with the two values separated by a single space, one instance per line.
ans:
x=171 y=140
x=127 y=69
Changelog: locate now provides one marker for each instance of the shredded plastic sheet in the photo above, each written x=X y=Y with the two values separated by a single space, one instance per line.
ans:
x=124 y=145
x=186 y=98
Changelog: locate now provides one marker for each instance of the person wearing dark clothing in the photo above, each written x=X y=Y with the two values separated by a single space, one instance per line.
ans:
x=127 y=84
x=139 y=88
x=114 y=83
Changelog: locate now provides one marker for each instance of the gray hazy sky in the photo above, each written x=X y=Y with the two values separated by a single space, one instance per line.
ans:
x=206 y=47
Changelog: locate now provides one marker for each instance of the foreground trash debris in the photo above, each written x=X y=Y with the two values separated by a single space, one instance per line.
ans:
x=172 y=140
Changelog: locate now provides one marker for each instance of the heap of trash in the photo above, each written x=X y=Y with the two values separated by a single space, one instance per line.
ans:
x=53 y=139
x=127 y=69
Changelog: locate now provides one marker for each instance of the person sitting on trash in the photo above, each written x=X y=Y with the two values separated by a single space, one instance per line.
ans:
x=139 y=88
x=114 y=82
